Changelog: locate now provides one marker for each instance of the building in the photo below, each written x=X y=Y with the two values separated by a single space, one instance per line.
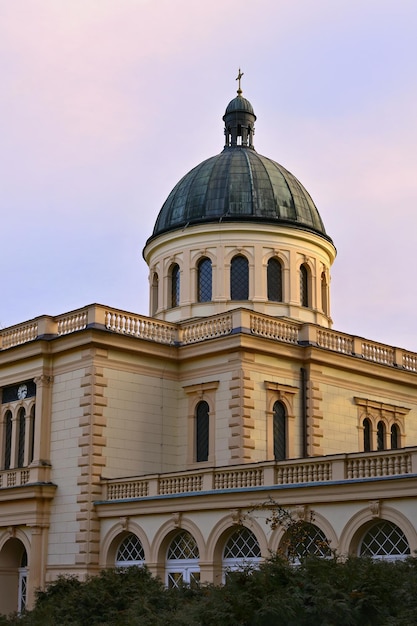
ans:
x=131 y=439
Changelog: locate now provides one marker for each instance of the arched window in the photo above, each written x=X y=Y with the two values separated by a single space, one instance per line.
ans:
x=130 y=552
x=274 y=280
x=304 y=286
x=385 y=540
x=380 y=435
x=204 y=277
x=7 y=440
x=239 y=278
x=31 y=434
x=182 y=564
x=305 y=539
x=202 y=431
x=324 y=294
x=21 y=421
x=154 y=293
x=280 y=432
x=395 y=437
x=175 y=285
x=367 y=446
x=241 y=550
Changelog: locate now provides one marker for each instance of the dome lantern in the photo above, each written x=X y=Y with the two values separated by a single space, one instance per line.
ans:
x=239 y=120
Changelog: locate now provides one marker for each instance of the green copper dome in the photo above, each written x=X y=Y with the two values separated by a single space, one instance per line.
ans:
x=239 y=185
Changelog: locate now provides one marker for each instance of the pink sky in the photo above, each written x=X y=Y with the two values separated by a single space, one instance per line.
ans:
x=107 y=103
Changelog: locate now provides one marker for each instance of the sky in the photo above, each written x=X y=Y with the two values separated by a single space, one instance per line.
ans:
x=106 y=104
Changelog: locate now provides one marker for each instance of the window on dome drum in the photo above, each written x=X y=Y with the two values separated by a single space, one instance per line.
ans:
x=307 y=539
x=395 y=437
x=239 y=278
x=7 y=440
x=280 y=432
x=130 y=552
x=304 y=286
x=21 y=438
x=274 y=280
x=202 y=431
x=367 y=435
x=154 y=293
x=175 y=285
x=241 y=550
x=380 y=435
x=324 y=294
x=385 y=540
x=204 y=274
x=182 y=564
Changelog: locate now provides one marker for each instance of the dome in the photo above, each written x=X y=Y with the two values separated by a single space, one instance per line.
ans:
x=239 y=185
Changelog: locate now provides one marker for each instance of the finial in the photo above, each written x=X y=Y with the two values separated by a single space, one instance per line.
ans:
x=239 y=76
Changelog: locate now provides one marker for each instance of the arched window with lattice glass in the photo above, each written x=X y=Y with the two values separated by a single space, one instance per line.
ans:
x=183 y=561
x=395 y=437
x=367 y=435
x=274 y=280
x=241 y=550
x=204 y=280
x=202 y=425
x=385 y=540
x=380 y=435
x=304 y=286
x=280 y=431
x=130 y=552
x=174 y=276
x=305 y=539
x=239 y=278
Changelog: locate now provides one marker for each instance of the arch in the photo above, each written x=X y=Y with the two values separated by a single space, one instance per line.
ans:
x=202 y=431
x=274 y=280
x=279 y=417
x=305 y=285
x=13 y=575
x=356 y=527
x=241 y=549
x=163 y=538
x=220 y=534
x=115 y=536
x=174 y=285
x=154 y=293
x=204 y=280
x=305 y=538
x=239 y=278
x=278 y=537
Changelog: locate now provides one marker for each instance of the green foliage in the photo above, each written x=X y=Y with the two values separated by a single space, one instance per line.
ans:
x=318 y=592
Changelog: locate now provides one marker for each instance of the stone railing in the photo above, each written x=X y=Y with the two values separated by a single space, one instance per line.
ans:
x=185 y=333
x=21 y=476
x=318 y=470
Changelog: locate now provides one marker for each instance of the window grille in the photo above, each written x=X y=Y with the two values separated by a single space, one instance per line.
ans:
x=280 y=432
x=204 y=280
x=274 y=280
x=130 y=552
x=304 y=287
x=306 y=539
x=202 y=431
x=239 y=278
x=385 y=540
x=242 y=545
x=183 y=546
